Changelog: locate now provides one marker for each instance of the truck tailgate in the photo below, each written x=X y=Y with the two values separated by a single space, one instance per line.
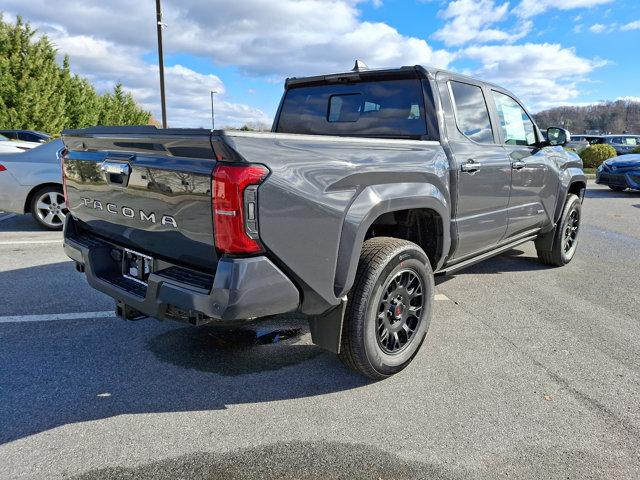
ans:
x=149 y=193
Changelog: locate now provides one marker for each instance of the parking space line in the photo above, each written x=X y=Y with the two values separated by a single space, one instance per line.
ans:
x=57 y=317
x=30 y=242
x=94 y=315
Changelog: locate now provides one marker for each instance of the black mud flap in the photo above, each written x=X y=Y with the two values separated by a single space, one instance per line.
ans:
x=326 y=330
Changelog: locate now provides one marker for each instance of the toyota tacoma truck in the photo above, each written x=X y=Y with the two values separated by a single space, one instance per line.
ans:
x=369 y=184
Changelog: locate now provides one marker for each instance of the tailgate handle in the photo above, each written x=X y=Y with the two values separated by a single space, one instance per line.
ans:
x=116 y=172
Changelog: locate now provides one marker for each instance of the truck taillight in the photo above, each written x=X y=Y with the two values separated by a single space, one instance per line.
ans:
x=235 y=212
x=62 y=154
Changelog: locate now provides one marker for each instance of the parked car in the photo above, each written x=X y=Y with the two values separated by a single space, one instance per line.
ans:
x=590 y=139
x=7 y=143
x=620 y=173
x=7 y=146
x=369 y=183
x=623 y=143
x=26 y=135
x=31 y=182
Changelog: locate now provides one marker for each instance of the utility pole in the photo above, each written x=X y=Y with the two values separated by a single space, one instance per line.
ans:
x=161 y=63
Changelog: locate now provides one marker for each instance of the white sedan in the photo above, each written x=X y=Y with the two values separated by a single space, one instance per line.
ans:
x=15 y=146
x=31 y=182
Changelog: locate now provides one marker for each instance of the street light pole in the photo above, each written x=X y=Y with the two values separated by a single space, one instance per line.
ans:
x=161 y=63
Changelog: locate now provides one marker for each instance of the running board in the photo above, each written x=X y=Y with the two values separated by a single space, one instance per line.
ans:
x=491 y=253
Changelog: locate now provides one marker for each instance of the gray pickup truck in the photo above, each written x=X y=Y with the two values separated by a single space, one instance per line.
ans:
x=369 y=184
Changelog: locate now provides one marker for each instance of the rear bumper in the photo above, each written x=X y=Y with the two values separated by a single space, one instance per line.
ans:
x=242 y=288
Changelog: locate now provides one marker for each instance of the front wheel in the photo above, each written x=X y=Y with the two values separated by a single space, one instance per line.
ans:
x=388 y=309
x=565 y=240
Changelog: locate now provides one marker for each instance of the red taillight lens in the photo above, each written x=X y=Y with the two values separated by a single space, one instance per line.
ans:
x=2 y=168
x=232 y=224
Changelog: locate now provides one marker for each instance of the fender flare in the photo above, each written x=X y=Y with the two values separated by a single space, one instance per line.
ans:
x=568 y=177
x=374 y=201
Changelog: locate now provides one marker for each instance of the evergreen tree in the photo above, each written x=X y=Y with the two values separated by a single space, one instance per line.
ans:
x=37 y=93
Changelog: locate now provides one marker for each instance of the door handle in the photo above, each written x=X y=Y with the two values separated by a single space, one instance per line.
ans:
x=470 y=166
x=518 y=165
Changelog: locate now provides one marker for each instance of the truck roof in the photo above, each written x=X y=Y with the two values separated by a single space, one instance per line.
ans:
x=415 y=71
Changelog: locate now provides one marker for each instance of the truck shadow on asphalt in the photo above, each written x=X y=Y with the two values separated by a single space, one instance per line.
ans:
x=56 y=373
x=513 y=260
x=62 y=372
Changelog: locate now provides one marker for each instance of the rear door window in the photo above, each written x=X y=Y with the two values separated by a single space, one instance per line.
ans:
x=472 y=115
x=382 y=108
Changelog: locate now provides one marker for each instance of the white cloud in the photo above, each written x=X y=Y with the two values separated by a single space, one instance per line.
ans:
x=629 y=99
x=188 y=92
x=603 y=27
x=531 y=8
x=262 y=38
x=631 y=26
x=527 y=70
x=270 y=40
x=472 y=20
x=290 y=37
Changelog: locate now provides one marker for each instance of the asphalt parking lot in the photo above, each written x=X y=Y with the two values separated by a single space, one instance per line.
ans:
x=527 y=372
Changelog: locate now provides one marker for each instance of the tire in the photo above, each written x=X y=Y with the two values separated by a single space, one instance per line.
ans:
x=49 y=208
x=617 y=189
x=565 y=236
x=384 y=297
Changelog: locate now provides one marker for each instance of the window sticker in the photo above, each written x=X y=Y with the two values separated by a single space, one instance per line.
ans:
x=514 y=126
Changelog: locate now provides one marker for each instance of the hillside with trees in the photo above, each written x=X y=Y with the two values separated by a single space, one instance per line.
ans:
x=38 y=93
x=608 y=117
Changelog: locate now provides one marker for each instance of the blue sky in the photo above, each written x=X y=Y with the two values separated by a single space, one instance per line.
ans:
x=549 y=52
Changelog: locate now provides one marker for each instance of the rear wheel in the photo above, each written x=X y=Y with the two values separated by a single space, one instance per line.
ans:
x=389 y=308
x=617 y=189
x=49 y=208
x=565 y=240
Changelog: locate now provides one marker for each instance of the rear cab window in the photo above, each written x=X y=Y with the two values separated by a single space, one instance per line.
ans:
x=377 y=108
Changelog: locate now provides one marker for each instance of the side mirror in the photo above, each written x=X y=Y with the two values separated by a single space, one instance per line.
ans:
x=557 y=137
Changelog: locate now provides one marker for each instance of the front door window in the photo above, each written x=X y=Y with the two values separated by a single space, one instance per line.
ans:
x=516 y=126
